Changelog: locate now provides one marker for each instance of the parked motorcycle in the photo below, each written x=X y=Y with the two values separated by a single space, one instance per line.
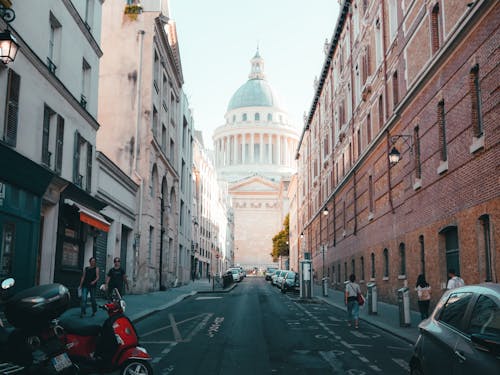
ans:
x=32 y=345
x=110 y=347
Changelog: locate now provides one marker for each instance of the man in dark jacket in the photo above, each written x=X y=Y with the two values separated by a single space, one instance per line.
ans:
x=116 y=278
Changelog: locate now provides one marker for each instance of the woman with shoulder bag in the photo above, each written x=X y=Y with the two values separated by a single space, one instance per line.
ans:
x=352 y=290
x=424 y=296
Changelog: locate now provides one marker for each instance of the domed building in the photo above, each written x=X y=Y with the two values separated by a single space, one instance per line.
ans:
x=254 y=153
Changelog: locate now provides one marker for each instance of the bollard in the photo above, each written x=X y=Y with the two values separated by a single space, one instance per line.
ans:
x=372 y=298
x=325 y=286
x=404 y=307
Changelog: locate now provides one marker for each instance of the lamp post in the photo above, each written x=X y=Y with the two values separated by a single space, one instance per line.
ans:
x=394 y=154
x=8 y=44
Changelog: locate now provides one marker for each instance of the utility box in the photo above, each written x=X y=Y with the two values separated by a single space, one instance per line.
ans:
x=372 y=298
x=404 y=307
x=306 y=279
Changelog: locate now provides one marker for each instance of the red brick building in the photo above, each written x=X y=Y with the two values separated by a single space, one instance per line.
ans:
x=421 y=77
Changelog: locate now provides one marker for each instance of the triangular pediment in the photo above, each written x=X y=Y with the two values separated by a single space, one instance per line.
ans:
x=254 y=184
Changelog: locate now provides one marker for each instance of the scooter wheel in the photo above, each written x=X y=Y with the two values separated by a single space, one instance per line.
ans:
x=136 y=367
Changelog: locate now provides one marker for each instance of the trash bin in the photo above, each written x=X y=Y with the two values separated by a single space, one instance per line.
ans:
x=325 y=286
x=372 y=298
x=404 y=307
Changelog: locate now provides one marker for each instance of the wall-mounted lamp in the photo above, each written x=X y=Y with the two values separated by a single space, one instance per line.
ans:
x=302 y=235
x=8 y=44
x=325 y=211
x=394 y=154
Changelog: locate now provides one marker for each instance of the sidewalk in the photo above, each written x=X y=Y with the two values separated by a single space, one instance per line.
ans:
x=387 y=317
x=139 y=306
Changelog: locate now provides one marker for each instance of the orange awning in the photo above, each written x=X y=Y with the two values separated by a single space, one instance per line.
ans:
x=90 y=217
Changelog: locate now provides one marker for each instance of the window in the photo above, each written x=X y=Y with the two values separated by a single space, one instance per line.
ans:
x=154 y=182
x=156 y=72
x=485 y=317
x=150 y=245
x=380 y=112
x=372 y=258
x=353 y=266
x=368 y=129
x=257 y=117
x=89 y=13
x=48 y=116
x=54 y=43
x=362 y=259
x=163 y=138
x=378 y=42
x=452 y=250
x=418 y=166
x=12 y=108
x=386 y=263
x=435 y=28
x=442 y=130
x=234 y=119
x=370 y=194
x=422 y=254
x=475 y=95
x=269 y=117
x=164 y=93
x=7 y=249
x=154 y=124
x=172 y=151
x=82 y=162
x=454 y=309
x=402 y=259
x=358 y=141
x=395 y=88
x=393 y=18
x=244 y=118
x=338 y=273
x=85 y=83
x=484 y=222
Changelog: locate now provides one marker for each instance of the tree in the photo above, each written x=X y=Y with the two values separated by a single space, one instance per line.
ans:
x=280 y=241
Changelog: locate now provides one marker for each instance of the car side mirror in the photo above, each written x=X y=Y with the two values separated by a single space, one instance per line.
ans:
x=487 y=341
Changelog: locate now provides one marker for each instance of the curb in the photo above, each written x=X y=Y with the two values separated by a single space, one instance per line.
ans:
x=218 y=291
x=381 y=326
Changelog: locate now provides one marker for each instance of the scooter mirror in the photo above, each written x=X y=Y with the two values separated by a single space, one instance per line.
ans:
x=8 y=283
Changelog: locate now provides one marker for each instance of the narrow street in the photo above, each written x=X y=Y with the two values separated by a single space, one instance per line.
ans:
x=255 y=329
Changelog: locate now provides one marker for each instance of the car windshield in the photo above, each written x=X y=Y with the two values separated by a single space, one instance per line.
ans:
x=235 y=271
x=291 y=275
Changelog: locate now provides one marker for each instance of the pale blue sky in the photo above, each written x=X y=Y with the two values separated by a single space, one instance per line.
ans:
x=218 y=38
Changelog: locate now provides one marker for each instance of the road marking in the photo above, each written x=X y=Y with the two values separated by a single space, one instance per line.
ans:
x=362 y=345
x=214 y=328
x=355 y=372
x=375 y=368
x=166 y=350
x=158 y=342
x=401 y=348
x=360 y=335
x=203 y=298
x=365 y=360
x=402 y=363
x=175 y=330
x=199 y=327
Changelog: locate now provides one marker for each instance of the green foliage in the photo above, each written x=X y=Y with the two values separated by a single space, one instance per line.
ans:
x=280 y=241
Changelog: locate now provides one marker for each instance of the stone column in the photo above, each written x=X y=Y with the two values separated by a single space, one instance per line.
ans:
x=252 y=147
x=243 y=144
x=235 y=149
x=261 y=149
x=270 y=148
x=278 y=149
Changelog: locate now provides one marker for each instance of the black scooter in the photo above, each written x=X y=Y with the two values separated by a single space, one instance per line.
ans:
x=32 y=345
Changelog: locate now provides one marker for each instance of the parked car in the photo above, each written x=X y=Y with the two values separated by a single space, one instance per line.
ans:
x=275 y=275
x=269 y=272
x=462 y=335
x=237 y=275
x=280 y=277
x=290 y=282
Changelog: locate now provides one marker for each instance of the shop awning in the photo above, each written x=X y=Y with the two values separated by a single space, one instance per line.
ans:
x=90 y=217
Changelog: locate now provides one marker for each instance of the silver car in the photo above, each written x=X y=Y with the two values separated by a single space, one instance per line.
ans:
x=462 y=336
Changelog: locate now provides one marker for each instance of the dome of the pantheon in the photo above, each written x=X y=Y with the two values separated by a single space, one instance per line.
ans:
x=257 y=137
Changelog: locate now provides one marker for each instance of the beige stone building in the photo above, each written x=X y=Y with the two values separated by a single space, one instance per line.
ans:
x=254 y=153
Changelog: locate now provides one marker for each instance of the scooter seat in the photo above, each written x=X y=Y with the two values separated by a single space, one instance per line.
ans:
x=80 y=329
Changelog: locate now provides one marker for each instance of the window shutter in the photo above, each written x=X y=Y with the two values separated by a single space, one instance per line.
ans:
x=59 y=144
x=12 y=108
x=76 y=159
x=47 y=112
x=89 y=168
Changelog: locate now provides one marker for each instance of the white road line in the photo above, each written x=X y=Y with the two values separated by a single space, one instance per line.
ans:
x=402 y=363
x=365 y=360
x=375 y=368
x=203 y=298
x=346 y=344
x=199 y=327
x=400 y=348
x=175 y=330
x=355 y=352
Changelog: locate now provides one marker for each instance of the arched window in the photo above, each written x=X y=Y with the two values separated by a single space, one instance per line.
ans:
x=362 y=259
x=353 y=266
x=172 y=201
x=372 y=256
x=244 y=116
x=234 y=119
x=257 y=117
x=452 y=250
x=154 y=182
x=269 y=117
x=338 y=273
x=386 y=263
x=402 y=259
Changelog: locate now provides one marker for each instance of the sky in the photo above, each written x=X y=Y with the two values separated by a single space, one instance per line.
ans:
x=217 y=39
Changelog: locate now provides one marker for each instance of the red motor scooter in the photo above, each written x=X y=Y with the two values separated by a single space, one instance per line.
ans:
x=110 y=347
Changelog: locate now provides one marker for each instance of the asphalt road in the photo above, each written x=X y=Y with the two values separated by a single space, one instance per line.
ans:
x=255 y=329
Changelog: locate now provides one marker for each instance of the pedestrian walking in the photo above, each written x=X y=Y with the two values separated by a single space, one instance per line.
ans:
x=424 y=296
x=454 y=280
x=88 y=284
x=116 y=278
x=352 y=290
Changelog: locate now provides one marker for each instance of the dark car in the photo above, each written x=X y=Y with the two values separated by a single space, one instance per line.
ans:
x=290 y=282
x=462 y=335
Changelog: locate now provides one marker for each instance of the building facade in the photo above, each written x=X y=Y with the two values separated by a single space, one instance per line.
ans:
x=416 y=79
x=140 y=109
x=254 y=154
x=49 y=215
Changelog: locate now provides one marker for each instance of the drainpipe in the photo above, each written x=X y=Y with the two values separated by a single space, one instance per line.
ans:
x=136 y=150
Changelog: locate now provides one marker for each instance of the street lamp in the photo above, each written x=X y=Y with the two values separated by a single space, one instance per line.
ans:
x=8 y=44
x=394 y=154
